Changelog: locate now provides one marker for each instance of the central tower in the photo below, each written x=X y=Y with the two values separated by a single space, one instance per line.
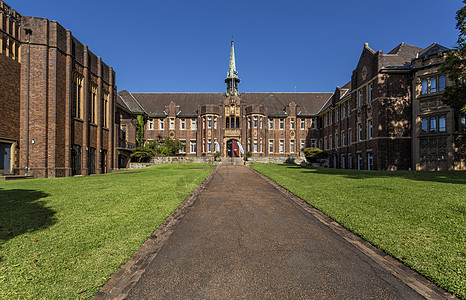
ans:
x=232 y=79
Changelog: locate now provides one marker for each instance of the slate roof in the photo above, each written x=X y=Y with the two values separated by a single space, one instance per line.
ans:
x=130 y=102
x=154 y=103
x=433 y=49
x=400 y=57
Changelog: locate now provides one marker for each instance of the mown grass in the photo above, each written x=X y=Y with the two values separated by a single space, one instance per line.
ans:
x=65 y=237
x=417 y=217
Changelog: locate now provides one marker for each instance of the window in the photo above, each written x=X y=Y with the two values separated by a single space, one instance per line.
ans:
x=270 y=146
x=359 y=132
x=349 y=108
x=441 y=83
x=209 y=144
x=292 y=146
x=203 y=122
x=282 y=124
x=314 y=143
x=369 y=129
x=433 y=125
x=424 y=125
x=215 y=123
x=337 y=114
x=343 y=111
x=343 y=139
x=462 y=123
x=331 y=117
x=249 y=145
x=330 y=138
x=433 y=85
x=209 y=122
x=151 y=124
x=343 y=162
x=303 y=145
x=260 y=149
x=255 y=146
x=172 y=124
x=105 y=109
x=282 y=146
x=261 y=123
x=255 y=122
x=249 y=122
x=183 y=124
x=271 y=124
x=193 y=124
x=183 y=146
x=359 y=98
x=350 y=137
x=161 y=124
x=93 y=103
x=77 y=95
x=303 y=124
x=424 y=87
x=350 y=161
x=369 y=94
x=325 y=121
x=325 y=143
x=359 y=161
x=203 y=145
x=370 y=161
x=91 y=161
x=292 y=123
x=313 y=124
x=442 y=127
x=336 y=140
x=193 y=146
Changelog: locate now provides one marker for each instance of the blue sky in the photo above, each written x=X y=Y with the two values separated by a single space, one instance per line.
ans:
x=284 y=46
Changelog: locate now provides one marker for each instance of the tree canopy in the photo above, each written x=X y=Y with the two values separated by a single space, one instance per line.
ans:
x=455 y=67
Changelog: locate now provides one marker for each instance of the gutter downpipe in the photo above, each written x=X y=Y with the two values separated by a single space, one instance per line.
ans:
x=28 y=32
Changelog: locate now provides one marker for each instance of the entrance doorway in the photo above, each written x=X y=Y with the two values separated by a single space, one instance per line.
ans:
x=5 y=158
x=232 y=148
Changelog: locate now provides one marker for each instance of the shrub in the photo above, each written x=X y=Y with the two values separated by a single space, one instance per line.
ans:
x=314 y=154
x=142 y=154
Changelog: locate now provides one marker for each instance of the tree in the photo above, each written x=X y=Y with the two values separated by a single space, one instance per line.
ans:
x=454 y=66
x=140 y=131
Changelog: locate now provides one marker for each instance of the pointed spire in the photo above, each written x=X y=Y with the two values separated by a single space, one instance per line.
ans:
x=232 y=70
x=232 y=79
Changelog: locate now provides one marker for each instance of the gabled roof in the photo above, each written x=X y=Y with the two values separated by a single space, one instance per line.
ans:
x=400 y=57
x=433 y=49
x=130 y=102
x=154 y=103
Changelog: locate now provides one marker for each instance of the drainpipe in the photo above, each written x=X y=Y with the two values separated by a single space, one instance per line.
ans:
x=28 y=32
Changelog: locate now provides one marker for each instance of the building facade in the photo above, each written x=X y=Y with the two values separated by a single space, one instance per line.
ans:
x=57 y=101
x=10 y=68
x=373 y=122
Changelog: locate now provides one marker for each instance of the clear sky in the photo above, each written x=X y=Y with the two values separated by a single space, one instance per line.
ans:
x=284 y=46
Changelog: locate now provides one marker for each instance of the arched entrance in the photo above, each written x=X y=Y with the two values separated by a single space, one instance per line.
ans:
x=232 y=148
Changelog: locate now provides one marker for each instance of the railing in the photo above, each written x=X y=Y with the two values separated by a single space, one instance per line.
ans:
x=126 y=145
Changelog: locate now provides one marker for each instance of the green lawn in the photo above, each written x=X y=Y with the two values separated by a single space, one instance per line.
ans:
x=65 y=237
x=417 y=217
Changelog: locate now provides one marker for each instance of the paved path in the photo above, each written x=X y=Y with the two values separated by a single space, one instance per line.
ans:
x=243 y=239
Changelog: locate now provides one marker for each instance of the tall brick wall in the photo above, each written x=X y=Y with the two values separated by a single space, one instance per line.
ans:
x=9 y=98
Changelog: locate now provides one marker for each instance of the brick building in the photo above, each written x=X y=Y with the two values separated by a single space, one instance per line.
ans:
x=366 y=124
x=10 y=68
x=57 y=101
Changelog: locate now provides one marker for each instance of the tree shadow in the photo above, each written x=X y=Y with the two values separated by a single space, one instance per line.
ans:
x=22 y=211
x=454 y=177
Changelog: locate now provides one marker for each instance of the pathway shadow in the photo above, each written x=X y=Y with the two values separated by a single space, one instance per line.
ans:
x=22 y=211
x=455 y=177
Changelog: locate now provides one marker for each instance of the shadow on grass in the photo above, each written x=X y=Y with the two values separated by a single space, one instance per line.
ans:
x=22 y=211
x=455 y=177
